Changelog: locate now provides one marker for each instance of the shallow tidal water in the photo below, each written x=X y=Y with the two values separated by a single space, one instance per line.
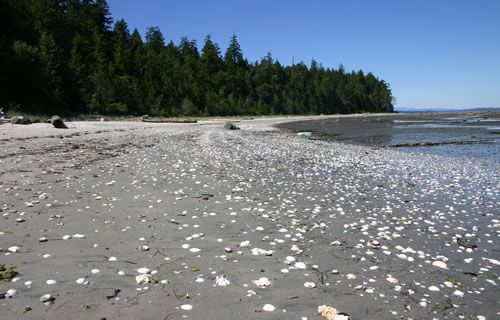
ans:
x=453 y=134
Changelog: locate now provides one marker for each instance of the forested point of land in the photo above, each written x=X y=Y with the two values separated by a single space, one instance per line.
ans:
x=69 y=57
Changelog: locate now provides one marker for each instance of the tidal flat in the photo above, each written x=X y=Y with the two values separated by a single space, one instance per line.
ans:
x=130 y=220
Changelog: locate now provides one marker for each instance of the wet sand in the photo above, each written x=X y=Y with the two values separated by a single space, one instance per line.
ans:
x=462 y=134
x=380 y=232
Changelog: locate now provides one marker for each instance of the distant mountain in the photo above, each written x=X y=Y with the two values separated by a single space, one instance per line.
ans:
x=415 y=110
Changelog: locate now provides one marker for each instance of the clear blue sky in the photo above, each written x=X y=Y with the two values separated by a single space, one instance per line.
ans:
x=433 y=53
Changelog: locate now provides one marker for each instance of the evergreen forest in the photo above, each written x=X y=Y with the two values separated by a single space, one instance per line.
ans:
x=70 y=57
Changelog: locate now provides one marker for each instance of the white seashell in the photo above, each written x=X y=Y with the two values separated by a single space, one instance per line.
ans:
x=46 y=297
x=433 y=288
x=11 y=292
x=79 y=236
x=244 y=244
x=300 y=265
x=222 y=281
x=94 y=271
x=80 y=280
x=143 y=270
x=112 y=259
x=262 y=252
x=262 y=282
x=494 y=261
x=392 y=279
x=309 y=285
x=440 y=264
x=187 y=307
x=13 y=249
x=121 y=273
x=285 y=270
x=195 y=250
x=268 y=308
x=28 y=283
x=351 y=276
x=50 y=281
x=143 y=278
x=66 y=237
x=458 y=293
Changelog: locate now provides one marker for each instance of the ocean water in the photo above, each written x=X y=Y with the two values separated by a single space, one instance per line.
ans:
x=459 y=135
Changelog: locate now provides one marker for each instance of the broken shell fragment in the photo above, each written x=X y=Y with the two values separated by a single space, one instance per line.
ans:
x=328 y=312
x=143 y=278
x=222 y=281
x=262 y=282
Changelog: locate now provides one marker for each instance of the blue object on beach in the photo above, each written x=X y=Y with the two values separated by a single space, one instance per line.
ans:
x=304 y=134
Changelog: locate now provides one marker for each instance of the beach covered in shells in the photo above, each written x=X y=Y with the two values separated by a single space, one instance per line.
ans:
x=130 y=220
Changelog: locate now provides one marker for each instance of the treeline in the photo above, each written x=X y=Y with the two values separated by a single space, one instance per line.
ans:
x=67 y=56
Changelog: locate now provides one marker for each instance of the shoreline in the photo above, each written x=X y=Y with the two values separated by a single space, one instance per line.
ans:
x=204 y=200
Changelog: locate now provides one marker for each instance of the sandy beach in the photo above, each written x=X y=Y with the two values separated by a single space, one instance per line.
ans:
x=131 y=220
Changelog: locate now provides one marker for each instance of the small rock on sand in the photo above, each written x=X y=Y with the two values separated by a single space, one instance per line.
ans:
x=57 y=122
x=230 y=126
